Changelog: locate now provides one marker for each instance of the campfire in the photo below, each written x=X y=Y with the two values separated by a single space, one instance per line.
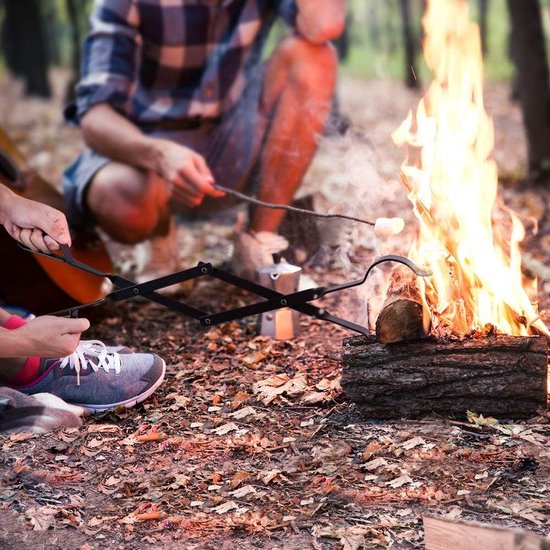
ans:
x=466 y=235
x=476 y=305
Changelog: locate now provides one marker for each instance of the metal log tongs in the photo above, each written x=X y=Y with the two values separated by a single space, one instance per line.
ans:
x=126 y=288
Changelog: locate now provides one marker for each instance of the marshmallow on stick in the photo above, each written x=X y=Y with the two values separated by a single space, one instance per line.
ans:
x=384 y=227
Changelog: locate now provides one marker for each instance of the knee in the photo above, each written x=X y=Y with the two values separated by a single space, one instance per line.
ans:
x=310 y=65
x=123 y=200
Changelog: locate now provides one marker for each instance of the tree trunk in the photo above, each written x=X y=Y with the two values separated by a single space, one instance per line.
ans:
x=77 y=12
x=483 y=8
x=502 y=376
x=409 y=43
x=529 y=55
x=341 y=43
x=23 y=41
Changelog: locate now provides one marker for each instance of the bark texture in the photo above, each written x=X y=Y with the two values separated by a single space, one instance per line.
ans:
x=500 y=376
x=400 y=319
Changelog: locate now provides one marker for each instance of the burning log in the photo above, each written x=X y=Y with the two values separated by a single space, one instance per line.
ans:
x=500 y=376
x=401 y=316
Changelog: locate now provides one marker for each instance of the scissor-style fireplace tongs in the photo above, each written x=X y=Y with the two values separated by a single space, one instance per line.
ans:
x=126 y=288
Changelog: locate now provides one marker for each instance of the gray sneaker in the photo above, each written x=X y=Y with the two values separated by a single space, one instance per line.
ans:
x=99 y=378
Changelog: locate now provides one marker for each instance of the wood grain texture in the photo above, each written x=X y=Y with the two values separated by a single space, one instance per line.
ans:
x=400 y=319
x=441 y=534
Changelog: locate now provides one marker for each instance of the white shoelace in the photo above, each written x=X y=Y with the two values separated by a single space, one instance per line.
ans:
x=94 y=354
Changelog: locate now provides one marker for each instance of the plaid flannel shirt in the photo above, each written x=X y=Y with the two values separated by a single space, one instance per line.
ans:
x=162 y=60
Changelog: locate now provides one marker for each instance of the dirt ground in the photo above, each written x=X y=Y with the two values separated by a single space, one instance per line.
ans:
x=250 y=442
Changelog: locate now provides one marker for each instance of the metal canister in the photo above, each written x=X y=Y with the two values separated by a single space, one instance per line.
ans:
x=282 y=324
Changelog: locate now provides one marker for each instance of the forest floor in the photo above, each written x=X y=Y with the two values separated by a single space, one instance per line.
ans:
x=250 y=442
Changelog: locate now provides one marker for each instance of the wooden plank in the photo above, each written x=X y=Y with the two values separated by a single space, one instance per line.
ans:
x=442 y=534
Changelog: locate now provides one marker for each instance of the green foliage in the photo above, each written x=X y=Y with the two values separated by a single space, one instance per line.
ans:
x=377 y=44
x=375 y=36
x=497 y=62
x=376 y=39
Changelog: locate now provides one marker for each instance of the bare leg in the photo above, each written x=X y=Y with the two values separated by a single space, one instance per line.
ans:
x=129 y=204
x=133 y=207
x=298 y=87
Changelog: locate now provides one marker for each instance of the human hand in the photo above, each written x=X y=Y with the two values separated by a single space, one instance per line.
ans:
x=35 y=225
x=187 y=174
x=49 y=336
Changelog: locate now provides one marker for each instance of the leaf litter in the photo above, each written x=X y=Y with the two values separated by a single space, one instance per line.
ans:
x=250 y=443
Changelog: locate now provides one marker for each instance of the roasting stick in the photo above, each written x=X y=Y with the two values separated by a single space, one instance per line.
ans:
x=258 y=202
x=382 y=226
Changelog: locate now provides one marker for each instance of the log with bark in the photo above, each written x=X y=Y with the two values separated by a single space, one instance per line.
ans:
x=401 y=316
x=499 y=376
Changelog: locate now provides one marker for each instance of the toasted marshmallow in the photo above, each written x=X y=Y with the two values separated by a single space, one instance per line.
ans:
x=384 y=227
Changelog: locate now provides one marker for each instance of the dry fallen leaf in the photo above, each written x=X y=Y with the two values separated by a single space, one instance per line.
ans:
x=225 y=507
x=226 y=428
x=276 y=385
x=42 y=517
x=243 y=491
x=374 y=464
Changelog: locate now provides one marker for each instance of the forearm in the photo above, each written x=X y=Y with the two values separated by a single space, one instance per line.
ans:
x=12 y=344
x=113 y=135
x=320 y=20
x=6 y=196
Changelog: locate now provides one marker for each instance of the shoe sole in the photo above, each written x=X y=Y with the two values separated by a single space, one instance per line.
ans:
x=94 y=409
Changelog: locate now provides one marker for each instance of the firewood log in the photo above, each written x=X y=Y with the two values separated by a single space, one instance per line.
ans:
x=500 y=376
x=401 y=319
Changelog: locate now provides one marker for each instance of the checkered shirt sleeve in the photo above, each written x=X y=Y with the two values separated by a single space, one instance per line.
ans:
x=155 y=60
x=110 y=56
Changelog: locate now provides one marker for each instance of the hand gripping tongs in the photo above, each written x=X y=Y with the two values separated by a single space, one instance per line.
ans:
x=126 y=288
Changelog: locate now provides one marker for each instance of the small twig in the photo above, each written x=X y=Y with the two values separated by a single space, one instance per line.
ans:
x=258 y=202
x=488 y=486
x=150 y=516
x=151 y=436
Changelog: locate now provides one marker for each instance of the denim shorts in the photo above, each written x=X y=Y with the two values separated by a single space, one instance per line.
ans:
x=230 y=146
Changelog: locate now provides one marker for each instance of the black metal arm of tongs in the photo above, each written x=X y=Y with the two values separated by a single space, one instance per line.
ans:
x=274 y=300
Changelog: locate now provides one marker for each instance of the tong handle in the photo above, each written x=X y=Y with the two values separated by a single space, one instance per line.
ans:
x=297 y=300
x=67 y=258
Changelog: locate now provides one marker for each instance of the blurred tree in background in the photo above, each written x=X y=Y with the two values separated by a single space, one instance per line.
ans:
x=531 y=85
x=24 y=44
x=38 y=34
x=410 y=44
x=382 y=40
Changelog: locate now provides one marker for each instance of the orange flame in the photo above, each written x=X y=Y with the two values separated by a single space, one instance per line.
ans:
x=466 y=236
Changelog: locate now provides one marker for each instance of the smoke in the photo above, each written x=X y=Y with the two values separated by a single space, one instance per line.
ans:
x=344 y=178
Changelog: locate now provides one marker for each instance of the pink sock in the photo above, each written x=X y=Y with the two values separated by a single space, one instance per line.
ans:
x=29 y=371
x=14 y=322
